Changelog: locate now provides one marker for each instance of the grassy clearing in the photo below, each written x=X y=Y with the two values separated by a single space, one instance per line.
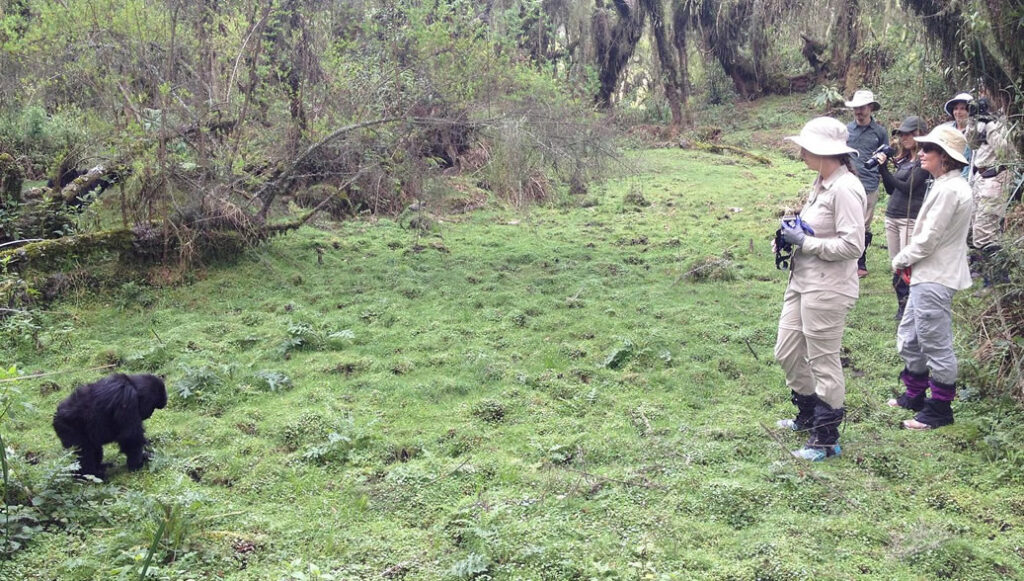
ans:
x=571 y=392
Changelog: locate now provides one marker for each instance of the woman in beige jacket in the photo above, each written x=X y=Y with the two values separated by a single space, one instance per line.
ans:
x=937 y=260
x=823 y=286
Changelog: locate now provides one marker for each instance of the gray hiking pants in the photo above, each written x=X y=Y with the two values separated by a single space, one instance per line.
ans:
x=925 y=336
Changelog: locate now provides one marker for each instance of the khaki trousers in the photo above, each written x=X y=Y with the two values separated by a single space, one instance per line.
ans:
x=869 y=209
x=810 y=333
x=989 y=208
x=897 y=234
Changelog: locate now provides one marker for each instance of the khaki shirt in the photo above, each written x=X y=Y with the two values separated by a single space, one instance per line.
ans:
x=937 y=251
x=828 y=260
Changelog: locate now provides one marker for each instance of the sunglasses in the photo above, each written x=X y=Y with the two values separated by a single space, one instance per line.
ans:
x=930 y=148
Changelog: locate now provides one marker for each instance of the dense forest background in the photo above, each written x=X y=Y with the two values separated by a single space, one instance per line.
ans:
x=223 y=105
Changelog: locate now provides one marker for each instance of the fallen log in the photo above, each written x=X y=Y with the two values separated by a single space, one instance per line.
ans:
x=143 y=244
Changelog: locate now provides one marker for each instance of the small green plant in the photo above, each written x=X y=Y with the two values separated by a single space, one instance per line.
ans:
x=341 y=445
x=490 y=411
x=134 y=295
x=273 y=380
x=21 y=330
x=827 y=96
x=711 y=268
x=194 y=381
x=472 y=567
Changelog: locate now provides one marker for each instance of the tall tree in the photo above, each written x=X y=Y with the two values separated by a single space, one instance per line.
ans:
x=616 y=33
x=671 y=79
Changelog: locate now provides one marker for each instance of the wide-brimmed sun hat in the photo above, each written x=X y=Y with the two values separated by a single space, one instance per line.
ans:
x=823 y=136
x=949 y=139
x=964 y=98
x=910 y=125
x=863 y=97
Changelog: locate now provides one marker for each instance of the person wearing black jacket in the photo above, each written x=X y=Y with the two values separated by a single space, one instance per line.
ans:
x=906 y=185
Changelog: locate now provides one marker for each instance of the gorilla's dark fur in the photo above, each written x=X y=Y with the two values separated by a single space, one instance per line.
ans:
x=110 y=410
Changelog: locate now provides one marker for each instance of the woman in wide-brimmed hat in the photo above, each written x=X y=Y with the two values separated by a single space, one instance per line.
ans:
x=937 y=259
x=823 y=286
x=906 y=185
x=958 y=110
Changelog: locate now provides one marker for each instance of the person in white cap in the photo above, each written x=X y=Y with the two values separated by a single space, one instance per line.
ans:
x=937 y=258
x=865 y=136
x=823 y=286
x=957 y=109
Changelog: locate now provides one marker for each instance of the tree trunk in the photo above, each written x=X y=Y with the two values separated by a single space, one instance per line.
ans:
x=667 y=58
x=844 y=45
x=724 y=34
x=679 y=24
x=615 y=44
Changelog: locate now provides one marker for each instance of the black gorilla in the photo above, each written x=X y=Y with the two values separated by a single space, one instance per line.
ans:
x=110 y=410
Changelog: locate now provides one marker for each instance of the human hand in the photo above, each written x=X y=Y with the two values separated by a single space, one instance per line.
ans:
x=881 y=157
x=793 y=233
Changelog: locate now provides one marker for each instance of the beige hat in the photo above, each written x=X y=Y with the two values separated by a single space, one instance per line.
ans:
x=823 y=136
x=949 y=139
x=964 y=98
x=864 y=97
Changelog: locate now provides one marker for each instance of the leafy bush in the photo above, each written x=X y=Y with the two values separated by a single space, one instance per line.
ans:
x=196 y=381
x=342 y=445
x=38 y=138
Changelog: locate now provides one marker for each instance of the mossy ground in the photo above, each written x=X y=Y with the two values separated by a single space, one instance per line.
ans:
x=537 y=394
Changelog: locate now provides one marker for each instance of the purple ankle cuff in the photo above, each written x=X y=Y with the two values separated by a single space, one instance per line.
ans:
x=915 y=384
x=943 y=392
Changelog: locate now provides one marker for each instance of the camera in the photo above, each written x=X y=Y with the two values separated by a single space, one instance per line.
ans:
x=979 y=108
x=885 y=148
x=783 y=249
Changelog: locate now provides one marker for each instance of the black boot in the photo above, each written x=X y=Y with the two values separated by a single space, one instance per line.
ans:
x=824 y=440
x=862 y=262
x=915 y=385
x=902 y=294
x=937 y=410
x=804 y=419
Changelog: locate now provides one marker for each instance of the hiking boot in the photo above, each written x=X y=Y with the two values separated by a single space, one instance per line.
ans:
x=907 y=402
x=824 y=440
x=935 y=414
x=817 y=453
x=862 y=262
x=804 y=419
x=915 y=385
x=825 y=433
x=937 y=410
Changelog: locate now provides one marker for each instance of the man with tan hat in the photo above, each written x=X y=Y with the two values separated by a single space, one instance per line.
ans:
x=866 y=135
